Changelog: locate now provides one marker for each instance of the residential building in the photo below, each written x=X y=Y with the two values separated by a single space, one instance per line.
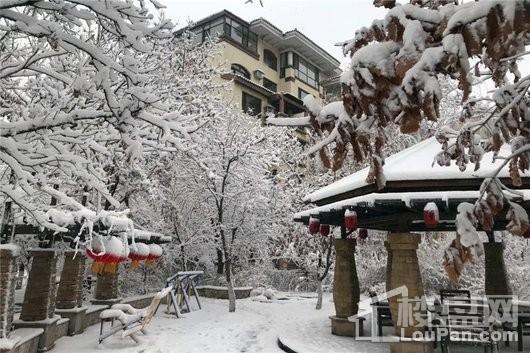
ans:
x=271 y=70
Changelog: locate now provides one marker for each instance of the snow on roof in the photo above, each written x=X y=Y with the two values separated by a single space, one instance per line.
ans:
x=416 y=163
x=370 y=199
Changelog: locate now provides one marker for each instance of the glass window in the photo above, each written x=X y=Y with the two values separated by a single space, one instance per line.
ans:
x=240 y=70
x=283 y=64
x=302 y=93
x=306 y=72
x=268 y=84
x=270 y=59
x=251 y=104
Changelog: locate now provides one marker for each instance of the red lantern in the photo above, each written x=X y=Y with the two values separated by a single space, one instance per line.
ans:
x=363 y=233
x=95 y=252
x=430 y=215
x=138 y=252
x=314 y=225
x=324 y=230
x=155 y=252
x=350 y=220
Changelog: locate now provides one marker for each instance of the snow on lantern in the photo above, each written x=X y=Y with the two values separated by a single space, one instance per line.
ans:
x=350 y=220
x=363 y=233
x=138 y=252
x=324 y=230
x=116 y=251
x=314 y=225
x=155 y=252
x=430 y=215
x=97 y=253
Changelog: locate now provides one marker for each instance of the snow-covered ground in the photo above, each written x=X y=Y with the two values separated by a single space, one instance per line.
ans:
x=254 y=327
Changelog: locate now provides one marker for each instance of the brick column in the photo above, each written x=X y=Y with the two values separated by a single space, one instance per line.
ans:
x=496 y=277
x=346 y=291
x=106 y=289
x=406 y=272
x=8 y=271
x=70 y=293
x=38 y=307
x=39 y=298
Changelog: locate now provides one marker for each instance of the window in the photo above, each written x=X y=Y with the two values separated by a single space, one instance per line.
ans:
x=305 y=71
x=302 y=94
x=241 y=34
x=228 y=27
x=268 y=84
x=270 y=59
x=240 y=71
x=251 y=104
x=283 y=64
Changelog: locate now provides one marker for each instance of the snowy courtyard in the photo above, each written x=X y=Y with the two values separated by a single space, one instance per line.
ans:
x=340 y=176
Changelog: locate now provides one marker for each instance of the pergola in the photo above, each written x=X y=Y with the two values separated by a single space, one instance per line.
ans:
x=412 y=181
x=46 y=302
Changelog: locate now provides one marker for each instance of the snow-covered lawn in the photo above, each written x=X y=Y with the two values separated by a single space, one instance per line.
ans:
x=254 y=327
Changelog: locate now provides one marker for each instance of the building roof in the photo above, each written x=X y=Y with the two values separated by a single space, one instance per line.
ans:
x=413 y=170
x=297 y=41
x=293 y=39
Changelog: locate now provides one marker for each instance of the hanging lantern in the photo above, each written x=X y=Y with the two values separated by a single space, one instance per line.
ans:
x=350 y=220
x=431 y=215
x=363 y=233
x=314 y=225
x=155 y=252
x=324 y=230
x=116 y=251
x=138 y=252
x=96 y=253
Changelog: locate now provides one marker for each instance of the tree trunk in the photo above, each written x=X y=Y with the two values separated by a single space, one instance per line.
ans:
x=230 y=286
x=319 y=293
x=220 y=263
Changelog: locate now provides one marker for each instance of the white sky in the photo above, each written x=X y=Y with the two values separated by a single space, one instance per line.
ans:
x=326 y=22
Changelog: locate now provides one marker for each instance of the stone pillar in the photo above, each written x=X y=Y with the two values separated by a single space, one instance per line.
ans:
x=39 y=299
x=70 y=292
x=8 y=271
x=405 y=273
x=496 y=277
x=346 y=291
x=106 y=289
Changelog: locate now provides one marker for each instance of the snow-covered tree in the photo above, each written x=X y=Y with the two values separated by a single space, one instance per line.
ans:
x=81 y=83
x=395 y=77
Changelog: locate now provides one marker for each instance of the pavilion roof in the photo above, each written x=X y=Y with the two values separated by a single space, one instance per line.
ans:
x=412 y=180
x=412 y=170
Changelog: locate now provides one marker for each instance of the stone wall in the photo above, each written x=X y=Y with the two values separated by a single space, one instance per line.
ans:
x=70 y=292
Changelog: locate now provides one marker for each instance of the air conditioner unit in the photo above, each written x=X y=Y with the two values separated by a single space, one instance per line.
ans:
x=258 y=74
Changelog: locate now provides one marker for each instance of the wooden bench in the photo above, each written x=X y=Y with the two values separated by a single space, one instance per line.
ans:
x=131 y=320
x=468 y=322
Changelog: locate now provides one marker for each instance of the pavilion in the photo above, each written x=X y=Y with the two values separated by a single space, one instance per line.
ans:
x=412 y=181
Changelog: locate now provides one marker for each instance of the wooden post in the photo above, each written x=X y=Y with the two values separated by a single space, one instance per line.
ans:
x=388 y=265
x=346 y=291
x=406 y=289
